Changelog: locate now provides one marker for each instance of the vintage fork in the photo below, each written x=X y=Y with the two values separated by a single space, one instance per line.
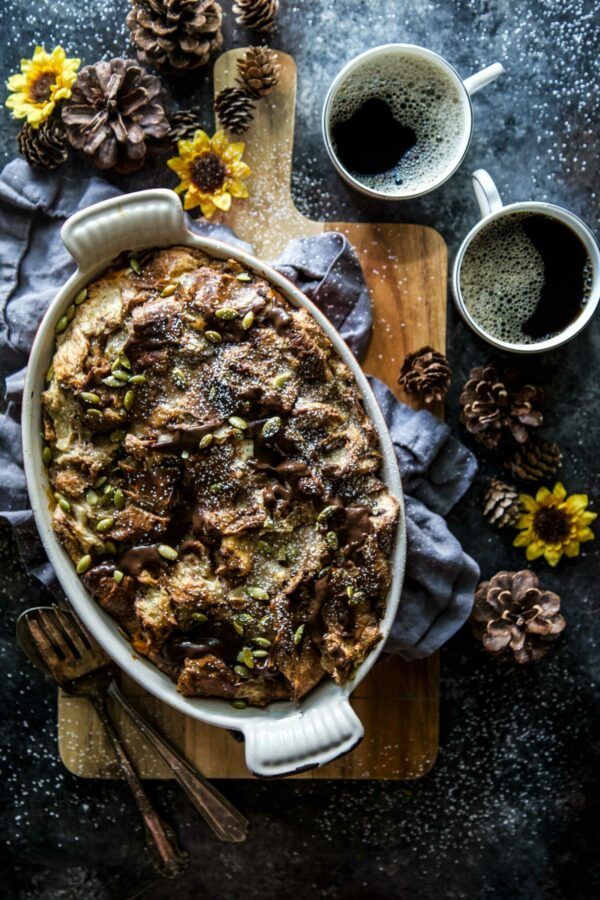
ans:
x=80 y=666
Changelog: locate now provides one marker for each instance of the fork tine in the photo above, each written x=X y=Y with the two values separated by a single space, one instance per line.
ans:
x=53 y=630
x=69 y=626
x=43 y=644
x=93 y=648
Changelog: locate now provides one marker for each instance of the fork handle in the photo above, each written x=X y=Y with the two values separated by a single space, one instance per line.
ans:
x=172 y=860
x=224 y=819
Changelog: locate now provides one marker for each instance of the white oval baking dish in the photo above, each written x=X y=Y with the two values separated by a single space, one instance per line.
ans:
x=284 y=737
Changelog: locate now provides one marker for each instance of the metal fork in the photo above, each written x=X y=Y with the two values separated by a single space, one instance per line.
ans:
x=60 y=642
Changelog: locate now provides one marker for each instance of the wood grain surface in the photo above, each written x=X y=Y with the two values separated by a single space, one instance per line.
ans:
x=406 y=269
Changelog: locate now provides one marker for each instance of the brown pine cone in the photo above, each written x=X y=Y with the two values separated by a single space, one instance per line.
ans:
x=513 y=614
x=259 y=71
x=426 y=372
x=257 y=15
x=176 y=36
x=493 y=407
x=235 y=109
x=46 y=146
x=114 y=112
x=534 y=461
x=184 y=124
x=501 y=504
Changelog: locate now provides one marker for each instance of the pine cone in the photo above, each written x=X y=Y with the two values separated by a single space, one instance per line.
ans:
x=184 y=125
x=45 y=146
x=115 y=108
x=257 y=15
x=512 y=613
x=534 y=461
x=493 y=407
x=501 y=504
x=259 y=71
x=235 y=109
x=426 y=373
x=175 y=35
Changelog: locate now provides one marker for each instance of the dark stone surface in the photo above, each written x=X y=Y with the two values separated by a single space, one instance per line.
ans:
x=510 y=808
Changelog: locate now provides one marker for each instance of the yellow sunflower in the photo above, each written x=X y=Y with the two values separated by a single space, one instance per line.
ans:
x=211 y=171
x=553 y=524
x=44 y=79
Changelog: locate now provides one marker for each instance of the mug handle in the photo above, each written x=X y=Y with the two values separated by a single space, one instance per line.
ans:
x=479 y=80
x=486 y=193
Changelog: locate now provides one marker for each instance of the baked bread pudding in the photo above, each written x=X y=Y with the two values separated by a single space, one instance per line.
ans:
x=215 y=478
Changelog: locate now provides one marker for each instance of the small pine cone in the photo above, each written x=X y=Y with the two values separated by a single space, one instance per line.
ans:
x=536 y=460
x=426 y=372
x=176 y=36
x=256 y=15
x=259 y=71
x=512 y=614
x=46 y=146
x=501 y=504
x=184 y=124
x=235 y=109
x=493 y=407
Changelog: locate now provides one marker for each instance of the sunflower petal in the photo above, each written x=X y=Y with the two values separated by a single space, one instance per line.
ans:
x=559 y=491
x=572 y=549
x=528 y=502
x=543 y=495
x=523 y=538
x=222 y=201
x=576 y=503
x=552 y=556
x=525 y=521
x=535 y=550
x=585 y=534
x=237 y=189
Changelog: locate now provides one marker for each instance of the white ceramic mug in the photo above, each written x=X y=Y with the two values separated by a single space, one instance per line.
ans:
x=367 y=65
x=492 y=209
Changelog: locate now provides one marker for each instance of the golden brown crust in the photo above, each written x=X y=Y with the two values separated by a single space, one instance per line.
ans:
x=212 y=457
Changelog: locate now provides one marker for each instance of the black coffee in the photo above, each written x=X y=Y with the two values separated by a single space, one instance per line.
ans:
x=525 y=277
x=360 y=151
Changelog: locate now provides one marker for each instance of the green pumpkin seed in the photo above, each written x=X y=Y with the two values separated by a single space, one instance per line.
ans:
x=239 y=704
x=332 y=540
x=237 y=422
x=70 y=312
x=110 y=547
x=137 y=379
x=261 y=641
x=105 y=524
x=216 y=487
x=325 y=513
x=169 y=290
x=263 y=548
x=129 y=400
x=167 y=552
x=244 y=276
x=324 y=572
x=355 y=599
x=119 y=499
x=226 y=312
x=179 y=378
x=263 y=623
x=111 y=381
x=248 y=320
x=89 y=397
x=271 y=427
x=299 y=634
x=50 y=373
x=121 y=375
x=185 y=454
x=61 y=324
x=199 y=617
x=213 y=336
x=291 y=553
x=117 y=435
x=205 y=441
x=350 y=591
x=245 y=656
x=83 y=564
x=242 y=671
x=244 y=618
x=91 y=497
x=62 y=502
x=118 y=576
x=47 y=456
x=257 y=593
x=238 y=627
x=281 y=380
x=121 y=362
x=80 y=297
x=95 y=414
x=102 y=479
x=134 y=263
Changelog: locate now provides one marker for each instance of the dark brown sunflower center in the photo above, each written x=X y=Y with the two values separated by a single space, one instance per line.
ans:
x=40 y=89
x=551 y=524
x=208 y=173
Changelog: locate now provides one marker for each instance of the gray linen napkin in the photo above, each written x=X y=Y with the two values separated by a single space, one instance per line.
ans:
x=436 y=468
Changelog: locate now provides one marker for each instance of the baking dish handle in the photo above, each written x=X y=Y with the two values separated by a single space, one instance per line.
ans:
x=142 y=219
x=316 y=736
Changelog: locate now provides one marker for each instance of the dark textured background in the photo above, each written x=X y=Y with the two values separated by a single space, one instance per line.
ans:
x=510 y=810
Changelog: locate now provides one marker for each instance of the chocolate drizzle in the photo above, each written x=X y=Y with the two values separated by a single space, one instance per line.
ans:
x=142 y=556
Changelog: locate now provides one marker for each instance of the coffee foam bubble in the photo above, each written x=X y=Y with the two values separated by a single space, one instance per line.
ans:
x=422 y=97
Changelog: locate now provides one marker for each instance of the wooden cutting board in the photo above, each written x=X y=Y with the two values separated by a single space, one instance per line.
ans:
x=405 y=267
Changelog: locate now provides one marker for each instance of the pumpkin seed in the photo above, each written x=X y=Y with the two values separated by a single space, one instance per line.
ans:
x=299 y=634
x=199 y=617
x=245 y=656
x=63 y=502
x=355 y=599
x=325 y=513
x=324 y=572
x=237 y=422
x=281 y=380
x=102 y=479
x=89 y=397
x=134 y=263
x=80 y=297
x=257 y=593
x=248 y=320
x=110 y=547
x=263 y=548
x=260 y=654
x=121 y=375
x=242 y=671
x=185 y=454
x=111 y=381
x=205 y=441
x=350 y=591
x=332 y=540
x=61 y=324
x=137 y=379
x=169 y=290
x=91 y=497
x=121 y=362
x=83 y=564
x=50 y=373
x=117 y=435
x=93 y=413
x=47 y=456
x=226 y=312
x=70 y=312
x=238 y=627
x=118 y=576
x=263 y=623
x=244 y=276
x=119 y=499
x=105 y=524
x=239 y=704
x=261 y=641
x=271 y=427
x=216 y=487
x=291 y=553
x=167 y=552
x=213 y=336
x=179 y=378
x=129 y=400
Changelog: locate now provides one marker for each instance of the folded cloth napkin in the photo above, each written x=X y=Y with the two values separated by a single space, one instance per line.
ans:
x=436 y=469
